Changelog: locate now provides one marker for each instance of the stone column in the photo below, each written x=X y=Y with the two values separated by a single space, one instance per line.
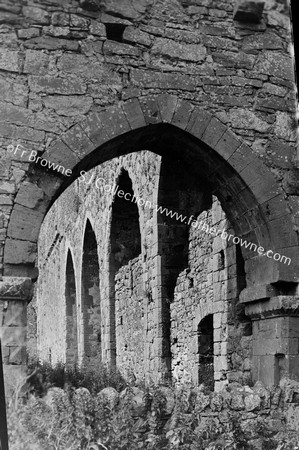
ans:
x=15 y=292
x=275 y=338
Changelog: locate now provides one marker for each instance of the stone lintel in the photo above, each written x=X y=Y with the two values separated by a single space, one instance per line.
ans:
x=16 y=288
x=248 y=10
x=281 y=305
x=259 y=292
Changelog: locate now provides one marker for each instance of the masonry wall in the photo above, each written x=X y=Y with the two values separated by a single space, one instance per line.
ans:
x=67 y=219
x=208 y=285
x=58 y=63
x=62 y=65
x=130 y=319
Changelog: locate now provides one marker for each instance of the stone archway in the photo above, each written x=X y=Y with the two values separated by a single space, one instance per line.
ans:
x=247 y=189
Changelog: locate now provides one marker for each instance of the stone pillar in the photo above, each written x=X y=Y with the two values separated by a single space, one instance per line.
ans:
x=275 y=338
x=15 y=292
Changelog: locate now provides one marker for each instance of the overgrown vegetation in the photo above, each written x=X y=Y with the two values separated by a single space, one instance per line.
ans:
x=43 y=376
x=72 y=409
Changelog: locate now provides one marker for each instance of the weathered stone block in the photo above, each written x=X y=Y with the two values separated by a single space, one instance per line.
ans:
x=241 y=157
x=117 y=48
x=16 y=288
x=167 y=105
x=198 y=122
x=257 y=292
x=98 y=29
x=248 y=10
x=182 y=114
x=227 y=144
x=15 y=314
x=274 y=104
x=24 y=223
x=9 y=18
x=81 y=66
x=94 y=129
x=292 y=417
x=17 y=133
x=54 y=85
x=60 y=153
x=135 y=36
x=114 y=121
x=291 y=182
x=79 y=22
x=36 y=15
x=69 y=105
x=59 y=32
x=245 y=119
x=30 y=195
x=90 y=5
x=60 y=19
x=175 y=50
x=9 y=60
x=134 y=114
x=5 y=200
x=151 y=111
x=277 y=65
x=252 y=402
x=78 y=141
x=213 y=132
x=36 y=62
x=20 y=252
x=28 y=33
x=160 y=80
x=132 y=10
x=12 y=336
x=238 y=60
x=51 y=43
x=16 y=93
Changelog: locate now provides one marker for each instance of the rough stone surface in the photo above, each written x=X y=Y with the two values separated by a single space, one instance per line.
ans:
x=228 y=87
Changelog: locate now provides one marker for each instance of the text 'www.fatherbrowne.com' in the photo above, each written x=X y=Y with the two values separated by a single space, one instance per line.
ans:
x=201 y=225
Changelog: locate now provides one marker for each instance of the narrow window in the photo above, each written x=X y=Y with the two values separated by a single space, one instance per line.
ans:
x=90 y=295
x=71 y=313
x=124 y=264
x=206 y=352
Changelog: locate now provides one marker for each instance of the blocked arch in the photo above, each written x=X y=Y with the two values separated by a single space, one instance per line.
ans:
x=247 y=189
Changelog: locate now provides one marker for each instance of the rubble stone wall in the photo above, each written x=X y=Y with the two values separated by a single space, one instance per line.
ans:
x=81 y=85
x=61 y=62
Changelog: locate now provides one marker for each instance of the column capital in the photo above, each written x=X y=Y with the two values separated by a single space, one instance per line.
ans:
x=16 y=288
x=281 y=305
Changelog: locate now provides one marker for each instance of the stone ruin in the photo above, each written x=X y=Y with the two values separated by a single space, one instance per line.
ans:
x=185 y=104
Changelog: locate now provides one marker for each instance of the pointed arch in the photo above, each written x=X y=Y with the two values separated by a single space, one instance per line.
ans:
x=71 y=312
x=90 y=296
x=251 y=197
x=124 y=261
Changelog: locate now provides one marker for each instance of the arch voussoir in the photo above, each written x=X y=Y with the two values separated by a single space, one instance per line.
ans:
x=198 y=122
x=134 y=114
x=78 y=141
x=182 y=114
x=213 y=132
x=227 y=144
x=59 y=153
